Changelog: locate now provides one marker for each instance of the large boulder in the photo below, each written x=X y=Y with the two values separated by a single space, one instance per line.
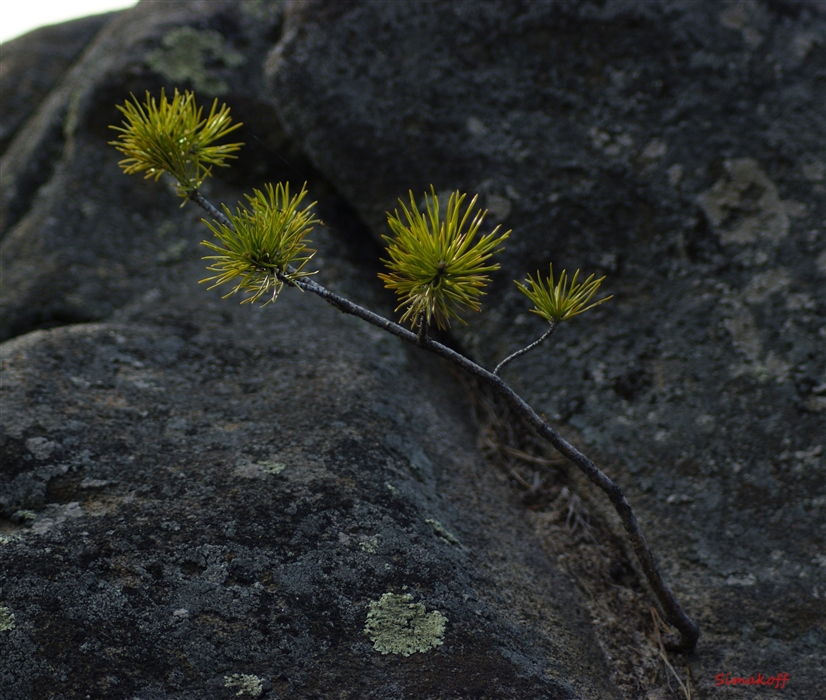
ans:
x=677 y=148
x=200 y=499
x=209 y=498
x=69 y=254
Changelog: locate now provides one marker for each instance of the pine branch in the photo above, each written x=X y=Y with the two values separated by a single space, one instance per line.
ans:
x=674 y=614
x=527 y=348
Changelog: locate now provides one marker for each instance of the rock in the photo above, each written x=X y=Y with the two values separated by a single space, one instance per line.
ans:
x=232 y=497
x=36 y=63
x=174 y=527
x=201 y=499
x=677 y=149
x=68 y=255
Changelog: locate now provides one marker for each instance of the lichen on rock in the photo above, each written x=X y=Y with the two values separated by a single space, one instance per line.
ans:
x=398 y=626
x=189 y=55
x=442 y=531
x=745 y=205
x=6 y=620
x=246 y=683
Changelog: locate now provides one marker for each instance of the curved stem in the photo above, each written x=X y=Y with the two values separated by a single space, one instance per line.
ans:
x=689 y=631
x=527 y=348
x=674 y=614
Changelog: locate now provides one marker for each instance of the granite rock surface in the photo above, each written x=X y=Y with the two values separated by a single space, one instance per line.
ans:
x=199 y=499
x=678 y=149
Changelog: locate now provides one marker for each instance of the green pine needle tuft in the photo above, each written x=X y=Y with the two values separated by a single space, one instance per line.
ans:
x=172 y=136
x=436 y=266
x=265 y=245
x=558 y=301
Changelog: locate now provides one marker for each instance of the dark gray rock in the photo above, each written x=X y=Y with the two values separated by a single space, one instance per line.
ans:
x=31 y=65
x=70 y=256
x=193 y=496
x=226 y=497
x=199 y=499
x=679 y=149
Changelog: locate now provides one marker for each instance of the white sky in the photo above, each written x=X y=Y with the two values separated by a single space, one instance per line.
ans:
x=20 y=16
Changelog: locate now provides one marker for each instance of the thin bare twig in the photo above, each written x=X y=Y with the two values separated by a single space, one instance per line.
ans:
x=206 y=205
x=525 y=457
x=527 y=348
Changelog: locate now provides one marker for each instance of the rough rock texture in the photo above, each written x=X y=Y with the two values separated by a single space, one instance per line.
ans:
x=217 y=493
x=64 y=243
x=204 y=500
x=31 y=66
x=679 y=149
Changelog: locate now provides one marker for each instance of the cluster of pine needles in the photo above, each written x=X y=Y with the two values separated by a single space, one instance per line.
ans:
x=438 y=263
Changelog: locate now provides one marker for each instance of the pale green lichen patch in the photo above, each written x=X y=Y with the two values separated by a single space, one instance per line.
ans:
x=174 y=252
x=745 y=205
x=247 y=684
x=6 y=537
x=189 y=55
x=24 y=517
x=6 y=620
x=396 y=625
x=260 y=470
x=442 y=531
x=369 y=544
x=273 y=468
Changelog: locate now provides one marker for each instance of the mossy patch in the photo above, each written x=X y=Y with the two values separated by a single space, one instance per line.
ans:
x=442 y=531
x=370 y=544
x=6 y=620
x=193 y=56
x=398 y=626
x=246 y=683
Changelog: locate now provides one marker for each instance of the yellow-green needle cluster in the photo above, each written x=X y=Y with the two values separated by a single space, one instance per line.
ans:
x=559 y=301
x=172 y=136
x=436 y=266
x=264 y=245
